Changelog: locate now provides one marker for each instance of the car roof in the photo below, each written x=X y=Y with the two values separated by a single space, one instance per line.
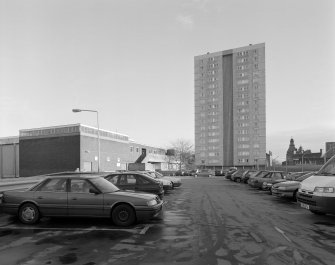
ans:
x=77 y=175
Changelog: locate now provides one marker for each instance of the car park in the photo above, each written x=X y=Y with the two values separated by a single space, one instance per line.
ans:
x=204 y=173
x=289 y=188
x=80 y=195
x=317 y=193
x=133 y=180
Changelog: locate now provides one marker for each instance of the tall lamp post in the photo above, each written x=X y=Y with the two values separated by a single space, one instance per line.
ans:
x=89 y=110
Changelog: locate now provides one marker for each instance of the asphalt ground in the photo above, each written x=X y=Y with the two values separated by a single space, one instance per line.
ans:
x=205 y=221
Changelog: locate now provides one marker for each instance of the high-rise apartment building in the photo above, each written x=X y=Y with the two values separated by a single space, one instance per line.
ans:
x=230 y=121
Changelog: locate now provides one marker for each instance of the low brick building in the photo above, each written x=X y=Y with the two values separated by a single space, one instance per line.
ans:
x=75 y=147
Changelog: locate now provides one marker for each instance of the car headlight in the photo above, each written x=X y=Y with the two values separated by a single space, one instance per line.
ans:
x=282 y=188
x=324 y=189
x=151 y=202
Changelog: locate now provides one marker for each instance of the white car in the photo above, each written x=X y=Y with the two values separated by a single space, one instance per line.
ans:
x=317 y=193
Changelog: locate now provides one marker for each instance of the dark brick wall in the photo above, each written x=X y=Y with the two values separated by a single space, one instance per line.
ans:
x=49 y=155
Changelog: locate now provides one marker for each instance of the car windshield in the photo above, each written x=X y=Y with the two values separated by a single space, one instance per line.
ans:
x=104 y=185
x=328 y=169
x=304 y=176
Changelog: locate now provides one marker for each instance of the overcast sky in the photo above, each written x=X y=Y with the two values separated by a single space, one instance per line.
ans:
x=133 y=61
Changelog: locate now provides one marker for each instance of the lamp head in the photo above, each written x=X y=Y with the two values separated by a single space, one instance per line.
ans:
x=76 y=110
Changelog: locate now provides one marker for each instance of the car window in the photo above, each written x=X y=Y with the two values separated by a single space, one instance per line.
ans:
x=128 y=179
x=113 y=179
x=142 y=180
x=80 y=186
x=277 y=175
x=54 y=185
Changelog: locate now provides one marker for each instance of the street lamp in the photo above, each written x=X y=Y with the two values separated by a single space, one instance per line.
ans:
x=89 y=110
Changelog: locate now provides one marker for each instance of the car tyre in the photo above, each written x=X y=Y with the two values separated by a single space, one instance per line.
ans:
x=295 y=196
x=238 y=180
x=123 y=215
x=29 y=214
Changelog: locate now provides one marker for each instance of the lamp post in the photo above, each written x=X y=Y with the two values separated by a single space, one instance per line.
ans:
x=89 y=110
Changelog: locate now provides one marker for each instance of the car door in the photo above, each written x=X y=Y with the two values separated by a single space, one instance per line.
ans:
x=277 y=176
x=82 y=200
x=146 y=184
x=127 y=182
x=51 y=197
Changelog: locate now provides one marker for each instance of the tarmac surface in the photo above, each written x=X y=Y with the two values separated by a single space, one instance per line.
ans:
x=205 y=221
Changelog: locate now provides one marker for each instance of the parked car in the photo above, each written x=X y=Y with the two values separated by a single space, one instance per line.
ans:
x=176 y=182
x=317 y=193
x=167 y=184
x=237 y=175
x=171 y=181
x=80 y=195
x=247 y=174
x=133 y=180
x=179 y=173
x=266 y=176
x=220 y=173
x=230 y=172
x=204 y=173
x=289 y=188
x=295 y=175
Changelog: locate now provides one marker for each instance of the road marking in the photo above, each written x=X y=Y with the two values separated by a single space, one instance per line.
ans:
x=145 y=229
x=134 y=231
x=283 y=234
x=256 y=237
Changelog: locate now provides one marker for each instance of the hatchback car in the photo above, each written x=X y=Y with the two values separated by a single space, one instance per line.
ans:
x=80 y=195
x=237 y=175
x=176 y=182
x=247 y=174
x=133 y=180
x=289 y=188
x=230 y=172
x=266 y=176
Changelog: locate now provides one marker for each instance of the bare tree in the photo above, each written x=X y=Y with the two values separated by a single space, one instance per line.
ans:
x=184 y=152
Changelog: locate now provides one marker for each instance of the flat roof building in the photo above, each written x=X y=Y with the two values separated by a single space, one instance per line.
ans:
x=230 y=116
x=72 y=147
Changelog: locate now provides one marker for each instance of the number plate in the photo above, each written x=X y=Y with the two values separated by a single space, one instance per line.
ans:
x=303 y=205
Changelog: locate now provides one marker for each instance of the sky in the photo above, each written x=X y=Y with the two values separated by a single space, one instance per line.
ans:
x=133 y=61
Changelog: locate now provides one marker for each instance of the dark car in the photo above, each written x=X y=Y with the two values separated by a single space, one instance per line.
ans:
x=247 y=174
x=132 y=180
x=220 y=173
x=231 y=171
x=270 y=177
x=80 y=195
x=289 y=188
x=237 y=175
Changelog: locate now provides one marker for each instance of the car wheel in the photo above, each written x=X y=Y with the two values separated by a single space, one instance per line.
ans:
x=295 y=196
x=317 y=212
x=123 y=215
x=238 y=180
x=29 y=213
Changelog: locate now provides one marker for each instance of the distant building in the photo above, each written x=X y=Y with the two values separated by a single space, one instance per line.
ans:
x=73 y=147
x=229 y=89
x=298 y=156
x=330 y=150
